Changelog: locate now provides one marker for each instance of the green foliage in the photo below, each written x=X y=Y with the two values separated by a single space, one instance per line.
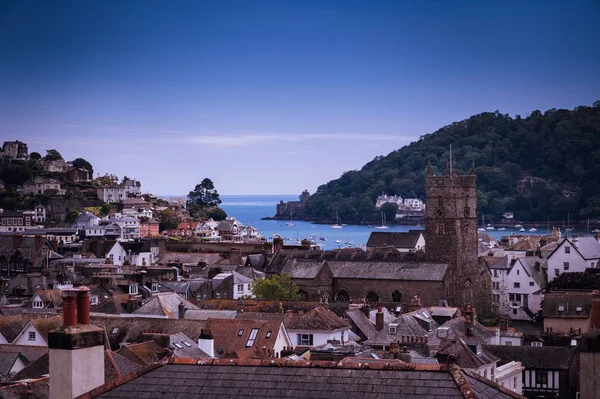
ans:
x=575 y=281
x=34 y=156
x=275 y=288
x=52 y=155
x=539 y=167
x=167 y=220
x=104 y=209
x=204 y=201
x=71 y=217
x=82 y=163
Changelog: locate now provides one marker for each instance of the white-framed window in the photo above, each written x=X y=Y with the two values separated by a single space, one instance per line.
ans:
x=93 y=300
x=240 y=287
x=566 y=266
x=133 y=289
x=556 y=272
x=508 y=343
x=38 y=304
x=154 y=287
x=536 y=343
x=531 y=283
x=252 y=337
x=567 y=250
x=517 y=285
x=305 y=339
x=31 y=336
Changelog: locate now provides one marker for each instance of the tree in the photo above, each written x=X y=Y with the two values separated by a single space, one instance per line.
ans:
x=52 y=155
x=167 y=220
x=389 y=210
x=276 y=287
x=35 y=156
x=204 y=194
x=82 y=163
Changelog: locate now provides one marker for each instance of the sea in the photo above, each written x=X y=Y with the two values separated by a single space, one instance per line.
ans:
x=250 y=209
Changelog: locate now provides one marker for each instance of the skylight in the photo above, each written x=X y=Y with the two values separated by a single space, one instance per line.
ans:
x=178 y=345
x=115 y=330
x=252 y=337
x=187 y=344
x=241 y=332
x=578 y=309
x=561 y=308
x=269 y=333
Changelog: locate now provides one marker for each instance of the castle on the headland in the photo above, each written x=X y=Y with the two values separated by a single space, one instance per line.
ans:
x=292 y=208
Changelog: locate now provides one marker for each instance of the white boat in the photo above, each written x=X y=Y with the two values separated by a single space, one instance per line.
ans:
x=501 y=228
x=383 y=226
x=291 y=222
x=522 y=229
x=532 y=229
x=481 y=229
x=518 y=226
x=337 y=224
x=337 y=241
x=489 y=227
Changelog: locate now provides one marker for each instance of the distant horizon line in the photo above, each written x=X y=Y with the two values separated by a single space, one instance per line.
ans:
x=232 y=195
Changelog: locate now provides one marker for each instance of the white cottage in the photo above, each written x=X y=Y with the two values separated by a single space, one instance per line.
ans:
x=574 y=255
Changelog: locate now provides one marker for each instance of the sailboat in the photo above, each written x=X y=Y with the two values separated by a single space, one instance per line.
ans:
x=482 y=228
x=291 y=222
x=569 y=228
x=383 y=226
x=337 y=224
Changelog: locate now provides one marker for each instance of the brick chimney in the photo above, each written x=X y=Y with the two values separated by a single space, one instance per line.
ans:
x=206 y=343
x=379 y=319
x=235 y=256
x=595 y=311
x=415 y=303
x=76 y=349
x=575 y=241
x=181 y=310
x=468 y=314
x=503 y=323
x=277 y=244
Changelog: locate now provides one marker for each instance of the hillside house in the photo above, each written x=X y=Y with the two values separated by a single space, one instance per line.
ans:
x=16 y=221
x=574 y=254
x=43 y=186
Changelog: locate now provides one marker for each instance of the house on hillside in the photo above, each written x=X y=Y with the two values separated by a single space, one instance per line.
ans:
x=137 y=253
x=316 y=327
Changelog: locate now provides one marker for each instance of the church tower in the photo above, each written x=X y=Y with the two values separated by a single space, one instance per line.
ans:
x=451 y=234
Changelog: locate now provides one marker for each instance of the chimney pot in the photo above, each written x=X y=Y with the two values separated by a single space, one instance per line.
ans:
x=379 y=319
x=83 y=306
x=69 y=308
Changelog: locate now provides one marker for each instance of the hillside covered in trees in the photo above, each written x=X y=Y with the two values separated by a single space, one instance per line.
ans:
x=546 y=165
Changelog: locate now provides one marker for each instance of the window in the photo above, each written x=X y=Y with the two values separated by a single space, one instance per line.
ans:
x=485 y=373
x=93 y=300
x=566 y=266
x=492 y=373
x=38 y=304
x=508 y=343
x=536 y=343
x=154 y=287
x=252 y=337
x=133 y=289
x=440 y=229
x=32 y=335
x=269 y=333
x=240 y=332
x=518 y=272
x=392 y=328
x=567 y=250
x=531 y=284
x=305 y=339
x=240 y=287
x=517 y=285
x=556 y=272
x=495 y=273
x=541 y=377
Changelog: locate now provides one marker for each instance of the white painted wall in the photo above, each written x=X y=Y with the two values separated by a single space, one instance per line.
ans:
x=510 y=376
x=17 y=366
x=23 y=337
x=557 y=259
x=75 y=372
x=246 y=291
x=320 y=337
x=3 y=340
x=283 y=340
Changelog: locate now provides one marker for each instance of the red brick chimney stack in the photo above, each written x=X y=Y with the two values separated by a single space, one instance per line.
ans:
x=83 y=306
x=69 y=308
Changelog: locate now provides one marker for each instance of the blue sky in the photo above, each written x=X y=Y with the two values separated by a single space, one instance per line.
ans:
x=272 y=97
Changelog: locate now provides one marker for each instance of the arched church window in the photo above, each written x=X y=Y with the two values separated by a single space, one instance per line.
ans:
x=440 y=229
x=397 y=296
x=342 y=296
x=303 y=295
x=372 y=297
x=325 y=297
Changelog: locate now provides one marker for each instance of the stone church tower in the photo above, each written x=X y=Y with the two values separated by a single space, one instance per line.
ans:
x=451 y=236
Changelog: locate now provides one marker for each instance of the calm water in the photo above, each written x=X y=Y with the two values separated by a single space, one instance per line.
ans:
x=249 y=209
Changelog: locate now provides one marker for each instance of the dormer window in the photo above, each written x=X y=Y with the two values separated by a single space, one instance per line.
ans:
x=38 y=304
x=393 y=328
x=567 y=250
x=154 y=287
x=578 y=309
x=133 y=290
x=561 y=308
x=94 y=300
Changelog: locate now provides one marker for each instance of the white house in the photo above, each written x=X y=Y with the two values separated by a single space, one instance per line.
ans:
x=316 y=328
x=137 y=253
x=517 y=285
x=86 y=220
x=41 y=186
x=111 y=193
x=510 y=376
x=242 y=285
x=573 y=255
x=40 y=214
x=30 y=336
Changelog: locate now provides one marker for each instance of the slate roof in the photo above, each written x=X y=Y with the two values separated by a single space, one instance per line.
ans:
x=534 y=357
x=300 y=379
x=407 y=240
x=11 y=326
x=457 y=329
x=39 y=388
x=406 y=324
x=205 y=314
x=318 y=319
x=232 y=335
x=142 y=353
x=7 y=360
x=184 y=346
x=570 y=301
x=31 y=353
x=35 y=369
x=421 y=271
x=137 y=247
x=537 y=273
x=164 y=304
x=188 y=258
x=51 y=297
x=501 y=264
x=303 y=269
x=465 y=357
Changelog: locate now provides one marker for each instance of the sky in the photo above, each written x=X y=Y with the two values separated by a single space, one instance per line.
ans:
x=274 y=97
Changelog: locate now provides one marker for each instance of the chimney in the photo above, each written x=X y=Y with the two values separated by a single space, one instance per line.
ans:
x=235 y=256
x=379 y=319
x=277 y=244
x=206 y=343
x=366 y=311
x=83 y=306
x=17 y=240
x=132 y=304
x=468 y=313
x=76 y=351
x=181 y=311
x=503 y=323
x=595 y=311
x=394 y=349
x=415 y=303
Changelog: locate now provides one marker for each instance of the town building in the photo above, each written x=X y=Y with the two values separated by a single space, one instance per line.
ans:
x=111 y=193
x=43 y=186
x=574 y=254
x=14 y=150
x=16 y=221
x=285 y=210
x=410 y=241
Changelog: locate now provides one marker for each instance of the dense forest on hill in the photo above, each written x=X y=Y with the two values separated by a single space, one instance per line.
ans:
x=545 y=165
